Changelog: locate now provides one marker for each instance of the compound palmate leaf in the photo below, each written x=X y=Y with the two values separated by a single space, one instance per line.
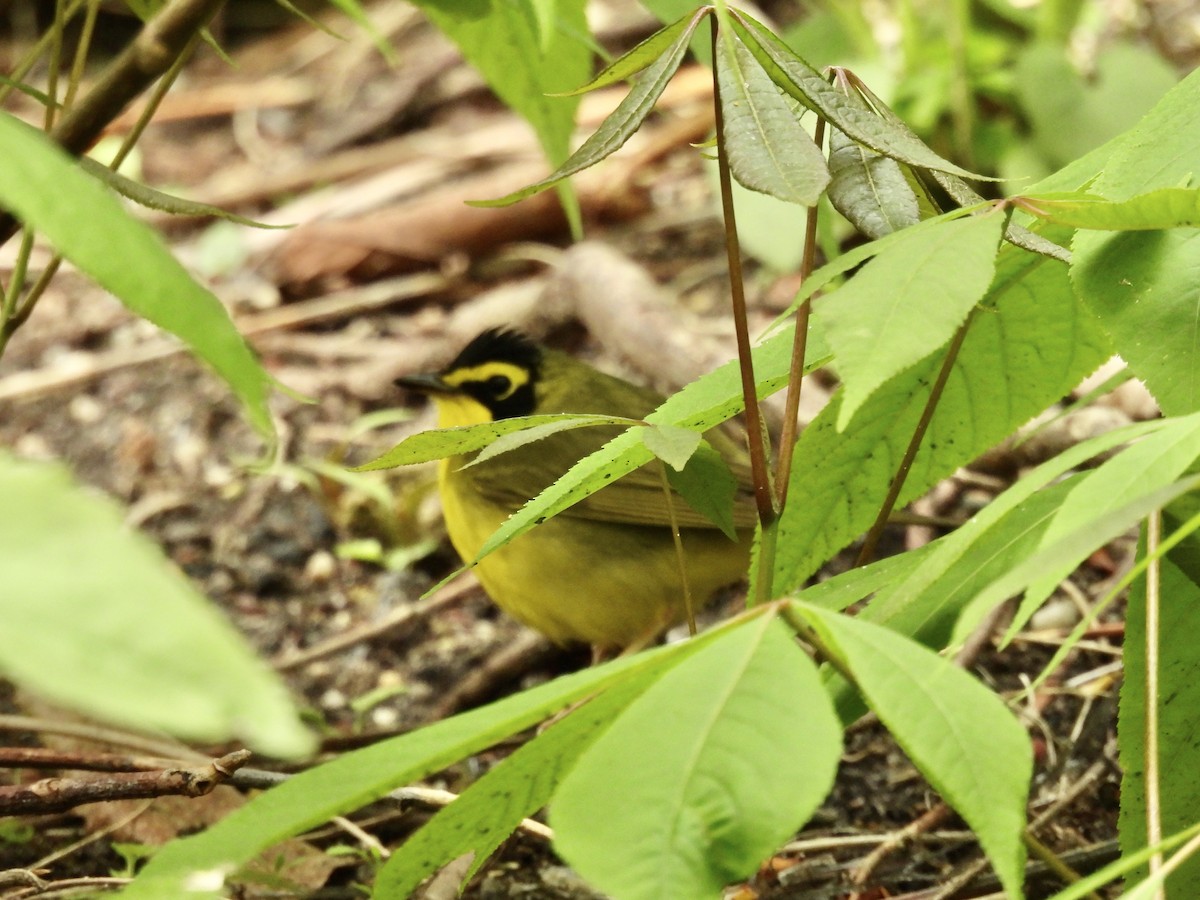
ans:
x=490 y=809
x=957 y=732
x=1030 y=345
x=906 y=303
x=705 y=774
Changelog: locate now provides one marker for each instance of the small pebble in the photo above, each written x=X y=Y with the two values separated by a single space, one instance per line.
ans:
x=85 y=410
x=333 y=699
x=1056 y=614
x=320 y=567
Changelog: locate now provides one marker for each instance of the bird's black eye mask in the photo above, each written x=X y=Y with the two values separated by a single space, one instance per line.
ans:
x=500 y=369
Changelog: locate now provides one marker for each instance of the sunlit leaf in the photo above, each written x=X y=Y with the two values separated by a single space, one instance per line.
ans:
x=1164 y=208
x=46 y=189
x=956 y=731
x=679 y=797
x=906 y=303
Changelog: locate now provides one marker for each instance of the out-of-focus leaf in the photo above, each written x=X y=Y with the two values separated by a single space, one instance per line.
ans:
x=96 y=619
x=46 y=189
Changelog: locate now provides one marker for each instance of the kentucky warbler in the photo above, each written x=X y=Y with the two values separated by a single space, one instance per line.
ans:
x=605 y=571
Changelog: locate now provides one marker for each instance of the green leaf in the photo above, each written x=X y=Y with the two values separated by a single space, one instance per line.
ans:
x=641 y=56
x=1126 y=863
x=1178 y=717
x=844 y=589
x=710 y=770
x=768 y=149
x=1136 y=474
x=957 y=732
x=515 y=439
x=708 y=487
x=1143 y=286
x=359 y=777
x=441 y=443
x=670 y=443
x=1162 y=151
x=45 y=188
x=869 y=189
x=917 y=234
x=941 y=613
x=523 y=67
x=489 y=810
x=926 y=601
x=906 y=303
x=619 y=127
x=963 y=194
x=1076 y=545
x=96 y=619
x=1163 y=208
x=808 y=86
x=152 y=199
x=1030 y=345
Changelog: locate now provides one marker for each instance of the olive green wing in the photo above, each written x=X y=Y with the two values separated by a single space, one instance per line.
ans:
x=511 y=479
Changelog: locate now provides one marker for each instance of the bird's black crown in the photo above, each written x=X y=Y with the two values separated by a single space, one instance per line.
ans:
x=499 y=345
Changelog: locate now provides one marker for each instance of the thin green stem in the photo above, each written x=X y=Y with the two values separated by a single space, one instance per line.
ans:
x=809 y=635
x=17 y=283
x=22 y=312
x=1150 y=761
x=791 y=407
x=688 y=605
x=153 y=101
x=914 y=444
x=54 y=66
x=962 y=102
x=35 y=52
x=10 y=317
x=754 y=424
x=81 y=51
x=1052 y=860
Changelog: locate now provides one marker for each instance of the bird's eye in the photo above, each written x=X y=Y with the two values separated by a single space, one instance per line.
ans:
x=498 y=385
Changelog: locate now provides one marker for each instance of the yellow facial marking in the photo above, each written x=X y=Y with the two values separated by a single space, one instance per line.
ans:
x=456 y=410
x=517 y=376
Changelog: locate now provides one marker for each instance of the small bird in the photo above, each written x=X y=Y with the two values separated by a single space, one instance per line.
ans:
x=606 y=571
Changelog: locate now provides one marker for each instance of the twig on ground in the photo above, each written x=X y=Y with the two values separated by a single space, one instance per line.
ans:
x=59 y=794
